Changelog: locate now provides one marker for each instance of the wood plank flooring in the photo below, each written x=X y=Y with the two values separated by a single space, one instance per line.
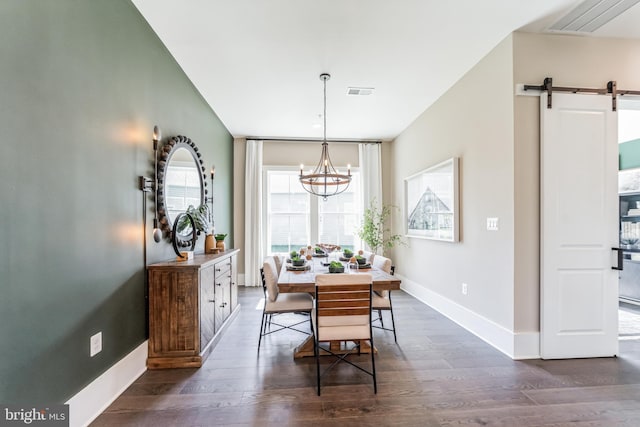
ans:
x=437 y=375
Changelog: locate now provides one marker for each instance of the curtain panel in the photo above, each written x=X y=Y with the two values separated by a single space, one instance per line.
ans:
x=370 y=158
x=253 y=213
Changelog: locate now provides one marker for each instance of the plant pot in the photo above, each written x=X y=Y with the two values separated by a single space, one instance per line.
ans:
x=209 y=244
x=361 y=261
x=220 y=245
x=297 y=262
x=336 y=269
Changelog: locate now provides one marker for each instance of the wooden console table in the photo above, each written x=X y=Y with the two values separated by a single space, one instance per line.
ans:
x=191 y=303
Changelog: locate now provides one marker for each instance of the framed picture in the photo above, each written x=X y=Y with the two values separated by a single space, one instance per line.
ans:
x=431 y=202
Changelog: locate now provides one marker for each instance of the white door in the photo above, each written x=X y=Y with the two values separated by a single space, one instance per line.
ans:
x=579 y=227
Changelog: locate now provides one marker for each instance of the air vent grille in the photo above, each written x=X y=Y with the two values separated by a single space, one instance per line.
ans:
x=362 y=91
x=590 y=15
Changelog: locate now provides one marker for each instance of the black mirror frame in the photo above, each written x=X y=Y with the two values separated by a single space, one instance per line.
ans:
x=177 y=237
x=169 y=148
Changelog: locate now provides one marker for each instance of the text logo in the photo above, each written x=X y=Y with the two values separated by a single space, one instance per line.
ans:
x=54 y=415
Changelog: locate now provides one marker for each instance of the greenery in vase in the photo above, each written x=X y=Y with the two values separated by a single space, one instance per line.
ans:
x=293 y=254
x=200 y=217
x=219 y=237
x=373 y=231
x=297 y=261
x=336 y=267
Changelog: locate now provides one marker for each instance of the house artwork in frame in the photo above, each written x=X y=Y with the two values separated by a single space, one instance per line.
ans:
x=431 y=202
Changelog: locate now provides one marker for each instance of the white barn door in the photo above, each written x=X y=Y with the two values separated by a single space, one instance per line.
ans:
x=579 y=227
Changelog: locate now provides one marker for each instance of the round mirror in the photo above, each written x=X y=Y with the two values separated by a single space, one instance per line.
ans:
x=181 y=183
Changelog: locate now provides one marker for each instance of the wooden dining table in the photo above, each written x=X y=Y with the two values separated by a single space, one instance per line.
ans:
x=305 y=281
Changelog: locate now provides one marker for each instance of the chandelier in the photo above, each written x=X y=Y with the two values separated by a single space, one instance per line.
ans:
x=324 y=180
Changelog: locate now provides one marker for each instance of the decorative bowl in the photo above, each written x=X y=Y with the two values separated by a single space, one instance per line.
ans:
x=298 y=262
x=336 y=269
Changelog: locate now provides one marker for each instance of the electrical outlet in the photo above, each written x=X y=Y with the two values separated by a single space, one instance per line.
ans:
x=492 y=224
x=464 y=289
x=95 y=344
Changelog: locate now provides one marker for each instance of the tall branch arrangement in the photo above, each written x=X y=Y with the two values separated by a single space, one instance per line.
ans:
x=373 y=230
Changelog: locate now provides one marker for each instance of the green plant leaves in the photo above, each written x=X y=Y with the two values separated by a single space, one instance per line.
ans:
x=373 y=231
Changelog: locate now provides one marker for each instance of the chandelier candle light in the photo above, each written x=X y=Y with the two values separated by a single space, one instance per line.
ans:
x=325 y=180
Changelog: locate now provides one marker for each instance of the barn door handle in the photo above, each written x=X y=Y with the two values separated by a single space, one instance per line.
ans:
x=620 y=265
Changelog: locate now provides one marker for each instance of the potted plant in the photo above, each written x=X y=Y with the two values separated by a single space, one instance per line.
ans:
x=373 y=231
x=220 y=241
x=201 y=218
x=297 y=261
x=347 y=253
x=361 y=260
x=336 y=267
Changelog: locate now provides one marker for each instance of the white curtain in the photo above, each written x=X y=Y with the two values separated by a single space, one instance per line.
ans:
x=370 y=160
x=253 y=256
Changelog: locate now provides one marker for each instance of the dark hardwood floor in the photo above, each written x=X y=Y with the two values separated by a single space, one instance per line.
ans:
x=437 y=375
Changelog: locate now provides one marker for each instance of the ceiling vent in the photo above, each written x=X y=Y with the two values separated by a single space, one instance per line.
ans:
x=357 y=91
x=590 y=15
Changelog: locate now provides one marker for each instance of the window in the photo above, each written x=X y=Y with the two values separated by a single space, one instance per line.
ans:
x=182 y=187
x=295 y=219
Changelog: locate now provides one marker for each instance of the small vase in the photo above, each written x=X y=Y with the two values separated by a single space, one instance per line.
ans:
x=209 y=244
x=220 y=245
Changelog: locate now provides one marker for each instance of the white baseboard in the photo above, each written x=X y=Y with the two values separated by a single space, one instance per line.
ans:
x=92 y=400
x=517 y=346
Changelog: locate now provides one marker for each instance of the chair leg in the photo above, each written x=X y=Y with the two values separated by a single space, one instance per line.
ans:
x=393 y=324
x=262 y=326
x=373 y=366
x=317 y=356
x=380 y=317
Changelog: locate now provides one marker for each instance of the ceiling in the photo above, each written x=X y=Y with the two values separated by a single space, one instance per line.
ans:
x=257 y=63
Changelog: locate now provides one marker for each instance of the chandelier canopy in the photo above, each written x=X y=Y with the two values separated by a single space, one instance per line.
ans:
x=324 y=180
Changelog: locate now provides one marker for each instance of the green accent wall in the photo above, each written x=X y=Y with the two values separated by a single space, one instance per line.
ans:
x=82 y=83
x=629 y=154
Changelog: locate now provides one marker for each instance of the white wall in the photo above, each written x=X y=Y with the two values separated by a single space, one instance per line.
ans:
x=474 y=121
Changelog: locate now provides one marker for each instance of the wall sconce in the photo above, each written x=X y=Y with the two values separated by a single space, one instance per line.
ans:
x=210 y=199
x=157 y=135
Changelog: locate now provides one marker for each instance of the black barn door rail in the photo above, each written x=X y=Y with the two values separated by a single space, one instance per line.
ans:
x=547 y=86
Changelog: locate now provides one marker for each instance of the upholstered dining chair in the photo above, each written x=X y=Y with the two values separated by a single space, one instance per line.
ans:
x=342 y=312
x=381 y=300
x=276 y=303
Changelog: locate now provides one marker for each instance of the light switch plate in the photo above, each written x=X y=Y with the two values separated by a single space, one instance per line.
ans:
x=492 y=224
x=96 y=344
